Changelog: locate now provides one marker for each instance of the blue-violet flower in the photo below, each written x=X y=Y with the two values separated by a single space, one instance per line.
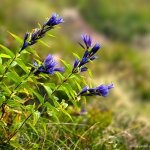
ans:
x=48 y=66
x=101 y=90
x=38 y=33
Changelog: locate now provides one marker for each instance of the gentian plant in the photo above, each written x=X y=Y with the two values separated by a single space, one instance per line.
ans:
x=29 y=95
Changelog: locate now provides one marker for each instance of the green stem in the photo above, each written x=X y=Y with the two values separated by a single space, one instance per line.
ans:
x=61 y=83
x=15 y=132
x=58 y=88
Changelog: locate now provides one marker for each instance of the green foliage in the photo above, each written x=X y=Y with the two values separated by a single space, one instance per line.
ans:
x=31 y=105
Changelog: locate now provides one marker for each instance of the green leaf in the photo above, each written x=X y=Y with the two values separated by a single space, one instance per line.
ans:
x=27 y=136
x=22 y=65
x=36 y=116
x=27 y=87
x=60 y=76
x=1 y=61
x=8 y=51
x=69 y=67
x=71 y=91
x=40 y=98
x=52 y=111
x=14 y=76
x=77 y=56
x=39 y=25
x=67 y=114
x=17 y=38
x=64 y=88
x=33 y=128
x=48 y=105
x=5 y=88
x=51 y=85
x=43 y=43
x=1 y=68
x=48 y=89
x=2 y=99
x=13 y=103
x=5 y=55
x=15 y=144
x=31 y=50
x=14 y=64
x=50 y=35
x=90 y=73
x=55 y=101
x=78 y=85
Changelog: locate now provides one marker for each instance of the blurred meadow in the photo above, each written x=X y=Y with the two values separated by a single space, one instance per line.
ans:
x=123 y=30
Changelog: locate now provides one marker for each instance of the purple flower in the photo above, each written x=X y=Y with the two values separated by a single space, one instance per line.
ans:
x=76 y=63
x=49 y=62
x=25 y=44
x=93 y=57
x=87 y=40
x=54 y=20
x=35 y=64
x=110 y=86
x=91 y=90
x=89 y=54
x=83 y=111
x=35 y=34
x=48 y=67
x=26 y=36
x=84 y=59
x=94 y=49
x=84 y=90
x=84 y=69
x=59 y=69
x=38 y=33
x=101 y=90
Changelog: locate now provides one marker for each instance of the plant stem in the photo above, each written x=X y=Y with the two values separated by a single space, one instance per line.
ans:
x=61 y=83
x=15 y=132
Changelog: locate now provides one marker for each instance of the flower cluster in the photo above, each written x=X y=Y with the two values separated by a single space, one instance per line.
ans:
x=48 y=66
x=31 y=38
x=89 y=54
x=101 y=90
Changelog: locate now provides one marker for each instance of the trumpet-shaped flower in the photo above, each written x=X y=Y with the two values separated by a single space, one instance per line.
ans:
x=87 y=40
x=48 y=66
x=54 y=20
x=101 y=90
x=38 y=33
x=89 y=54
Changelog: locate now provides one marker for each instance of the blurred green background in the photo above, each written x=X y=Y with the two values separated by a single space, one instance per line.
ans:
x=122 y=27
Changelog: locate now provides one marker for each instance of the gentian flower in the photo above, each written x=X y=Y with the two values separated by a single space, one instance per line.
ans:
x=87 y=40
x=25 y=43
x=101 y=90
x=48 y=66
x=76 y=63
x=38 y=33
x=54 y=21
x=89 y=54
x=84 y=69
x=94 y=49
x=84 y=90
